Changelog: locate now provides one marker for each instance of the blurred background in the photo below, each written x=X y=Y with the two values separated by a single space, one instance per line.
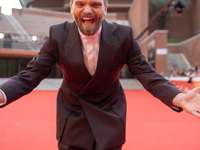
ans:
x=168 y=32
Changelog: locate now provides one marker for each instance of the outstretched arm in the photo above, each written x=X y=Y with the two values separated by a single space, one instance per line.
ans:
x=190 y=102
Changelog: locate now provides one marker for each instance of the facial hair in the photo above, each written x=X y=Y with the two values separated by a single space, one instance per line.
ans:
x=89 y=31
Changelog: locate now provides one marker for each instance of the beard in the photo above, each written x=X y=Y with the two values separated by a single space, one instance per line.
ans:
x=89 y=30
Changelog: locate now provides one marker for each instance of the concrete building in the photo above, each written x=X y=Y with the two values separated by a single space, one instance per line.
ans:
x=37 y=15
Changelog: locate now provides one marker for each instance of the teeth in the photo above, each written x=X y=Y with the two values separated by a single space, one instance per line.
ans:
x=87 y=18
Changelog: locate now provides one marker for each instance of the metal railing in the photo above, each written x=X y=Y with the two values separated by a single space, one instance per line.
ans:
x=18 y=41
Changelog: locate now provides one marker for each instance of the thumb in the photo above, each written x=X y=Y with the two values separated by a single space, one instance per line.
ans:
x=196 y=114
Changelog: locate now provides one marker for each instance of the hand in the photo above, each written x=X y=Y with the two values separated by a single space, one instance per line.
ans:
x=190 y=102
x=1 y=97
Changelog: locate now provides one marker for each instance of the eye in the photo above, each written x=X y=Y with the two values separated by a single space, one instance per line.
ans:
x=96 y=5
x=79 y=4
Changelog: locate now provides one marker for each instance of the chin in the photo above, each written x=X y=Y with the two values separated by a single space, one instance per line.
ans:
x=89 y=31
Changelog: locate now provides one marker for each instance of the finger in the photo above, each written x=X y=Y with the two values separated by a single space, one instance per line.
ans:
x=196 y=114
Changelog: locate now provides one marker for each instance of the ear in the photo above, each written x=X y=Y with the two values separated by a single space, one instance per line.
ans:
x=71 y=8
x=106 y=8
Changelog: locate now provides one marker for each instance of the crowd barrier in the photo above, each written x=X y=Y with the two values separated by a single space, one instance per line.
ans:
x=183 y=84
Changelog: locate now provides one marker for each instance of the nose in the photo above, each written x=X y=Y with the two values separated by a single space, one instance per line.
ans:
x=87 y=9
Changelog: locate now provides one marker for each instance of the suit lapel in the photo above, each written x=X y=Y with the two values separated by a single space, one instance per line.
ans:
x=106 y=56
x=75 y=54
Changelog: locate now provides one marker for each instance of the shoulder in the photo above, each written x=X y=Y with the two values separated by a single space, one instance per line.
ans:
x=120 y=28
x=59 y=32
x=120 y=32
x=60 y=27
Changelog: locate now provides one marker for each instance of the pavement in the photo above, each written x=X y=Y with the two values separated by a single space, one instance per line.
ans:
x=54 y=84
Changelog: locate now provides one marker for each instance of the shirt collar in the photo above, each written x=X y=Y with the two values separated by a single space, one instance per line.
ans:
x=96 y=35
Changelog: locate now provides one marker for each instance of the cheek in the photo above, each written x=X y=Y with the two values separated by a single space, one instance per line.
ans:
x=76 y=12
x=99 y=13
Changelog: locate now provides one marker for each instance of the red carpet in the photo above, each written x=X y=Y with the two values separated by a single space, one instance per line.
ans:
x=29 y=124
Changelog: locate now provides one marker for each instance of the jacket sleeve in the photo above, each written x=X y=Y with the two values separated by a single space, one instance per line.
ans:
x=37 y=69
x=153 y=82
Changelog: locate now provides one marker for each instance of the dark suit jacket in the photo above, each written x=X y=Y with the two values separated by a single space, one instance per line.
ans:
x=90 y=108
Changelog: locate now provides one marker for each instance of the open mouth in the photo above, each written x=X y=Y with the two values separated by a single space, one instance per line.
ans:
x=88 y=21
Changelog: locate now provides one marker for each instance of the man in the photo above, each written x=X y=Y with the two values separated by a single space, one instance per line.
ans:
x=91 y=104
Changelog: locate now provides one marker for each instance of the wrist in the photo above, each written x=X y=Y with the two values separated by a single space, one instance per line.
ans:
x=1 y=97
x=178 y=100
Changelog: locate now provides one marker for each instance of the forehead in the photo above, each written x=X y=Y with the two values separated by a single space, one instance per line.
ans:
x=89 y=1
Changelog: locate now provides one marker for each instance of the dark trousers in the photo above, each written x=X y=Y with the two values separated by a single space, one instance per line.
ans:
x=63 y=146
